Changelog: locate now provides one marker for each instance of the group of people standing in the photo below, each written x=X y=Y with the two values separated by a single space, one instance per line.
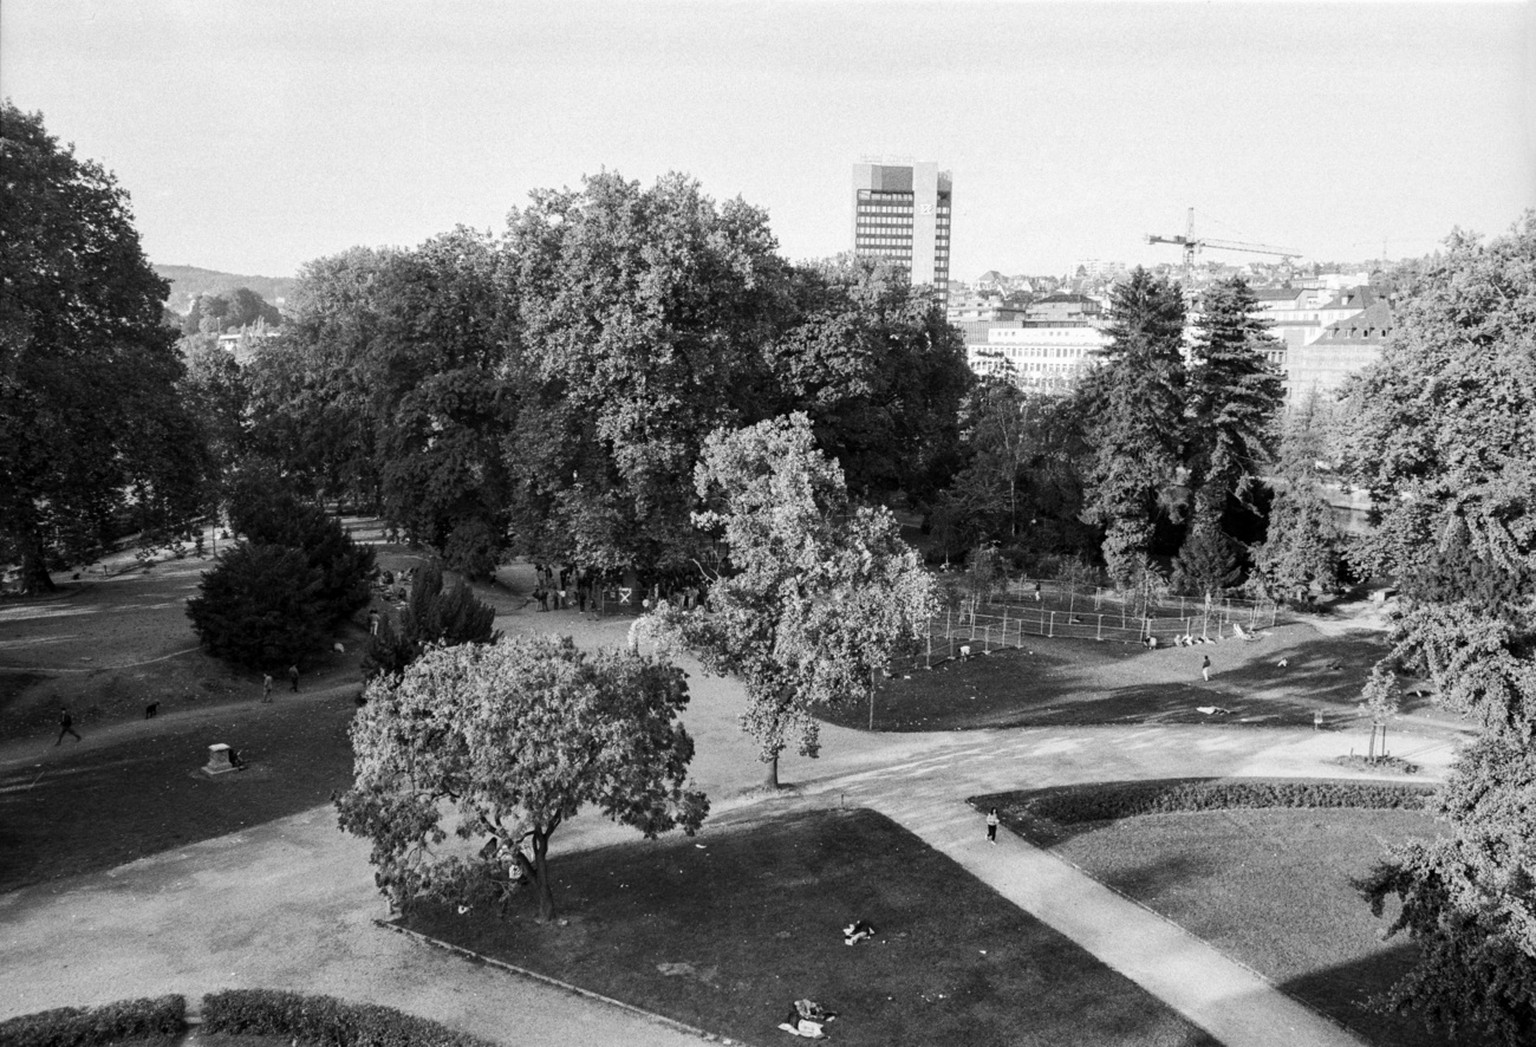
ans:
x=555 y=590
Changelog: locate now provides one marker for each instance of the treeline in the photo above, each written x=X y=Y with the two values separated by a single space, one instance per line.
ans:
x=547 y=391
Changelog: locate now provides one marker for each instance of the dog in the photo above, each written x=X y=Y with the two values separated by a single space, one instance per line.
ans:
x=151 y=710
x=1283 y=663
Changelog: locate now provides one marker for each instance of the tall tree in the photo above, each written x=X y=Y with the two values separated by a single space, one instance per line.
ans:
x=642 y=313
x=89 y=421
x=216 y=392
x=314 y=411
x=513 y=738
x=1441 y=436
x=1134 y=406
x=881 y=374
x=1234 y=396
x=1020 y=484
x=1301 y=545
x=444 y=403
x=816 y=594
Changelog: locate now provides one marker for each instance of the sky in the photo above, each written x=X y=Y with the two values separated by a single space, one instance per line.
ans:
x=256 y=136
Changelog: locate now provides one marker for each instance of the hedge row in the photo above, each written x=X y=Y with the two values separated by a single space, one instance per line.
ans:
x=1107 y=801
x=324 y=1021
x=142 y=1018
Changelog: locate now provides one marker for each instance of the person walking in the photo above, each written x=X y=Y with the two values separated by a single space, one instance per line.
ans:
x=1205 y=668
x=293 y=675
x=66 y=726
x=266 y=687
x=992 y=826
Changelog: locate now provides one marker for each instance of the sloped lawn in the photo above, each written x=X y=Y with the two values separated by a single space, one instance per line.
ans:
x=1270 y=887
x=724 y=931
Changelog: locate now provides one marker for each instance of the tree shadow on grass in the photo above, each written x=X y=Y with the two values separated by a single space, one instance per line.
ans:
x=1081 y=682
x=112 y=802
x=1342 y=992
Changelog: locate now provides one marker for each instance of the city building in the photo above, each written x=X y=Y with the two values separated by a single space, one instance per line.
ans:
x=1039 y=355
x=980 y=306
x=1343 y=348
x=901 y=212
x=1325 y=333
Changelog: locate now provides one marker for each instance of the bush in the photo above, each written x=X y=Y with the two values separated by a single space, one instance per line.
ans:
x=142 y=1018
x=344 y=565
x=435 y=615
x=324 y=1020
x=1109 y=801
x=257 y=607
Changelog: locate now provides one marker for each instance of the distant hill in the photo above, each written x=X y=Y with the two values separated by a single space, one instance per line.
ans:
x=188 y=281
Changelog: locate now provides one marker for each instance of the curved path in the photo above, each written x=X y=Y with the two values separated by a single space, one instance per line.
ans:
x=290 y=904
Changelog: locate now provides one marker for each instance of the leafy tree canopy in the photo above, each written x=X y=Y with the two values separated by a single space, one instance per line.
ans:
x=642 y=313
x=89 y=420
x=1441 y=436
x=817 y=593
x=513 y=739
x=878 y=370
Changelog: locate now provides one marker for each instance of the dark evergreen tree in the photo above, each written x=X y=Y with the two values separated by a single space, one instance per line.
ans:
x=343 y=565
x=435 y=615
x=1207 y=562
x=1133 y=404
x=259 y=607
x=1234 y=397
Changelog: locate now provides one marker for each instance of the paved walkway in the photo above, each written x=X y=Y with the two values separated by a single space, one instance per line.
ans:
x=290 y=904
x=1230 y=1001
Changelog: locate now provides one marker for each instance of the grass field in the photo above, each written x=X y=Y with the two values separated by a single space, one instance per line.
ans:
x=725 y=931
x=1062 y=682
x=118 y=801
x=1271 y=888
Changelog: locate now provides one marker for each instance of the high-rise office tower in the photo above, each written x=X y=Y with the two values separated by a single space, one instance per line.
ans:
x=902 y=212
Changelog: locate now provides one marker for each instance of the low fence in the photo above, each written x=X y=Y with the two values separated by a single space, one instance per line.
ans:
x=1088 y=614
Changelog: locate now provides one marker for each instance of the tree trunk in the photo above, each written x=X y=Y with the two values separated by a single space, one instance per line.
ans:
x=541 y=866
x=34 y=563
x=773 y=772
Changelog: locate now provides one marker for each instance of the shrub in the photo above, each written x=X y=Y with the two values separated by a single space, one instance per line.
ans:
x=257 y=606
x=1108 y=801
x=435 y=615
x=324 y=1020
x=143 y=1018
x=344 y=565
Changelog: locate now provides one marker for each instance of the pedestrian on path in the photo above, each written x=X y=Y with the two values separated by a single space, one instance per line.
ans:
x=1205 y=667
x=992 y=826
x=266 y=687
x=293 y=674
x=373 y=623
x=66 y=726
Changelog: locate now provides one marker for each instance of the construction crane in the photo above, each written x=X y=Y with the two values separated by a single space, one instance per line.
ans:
x=1192 y=244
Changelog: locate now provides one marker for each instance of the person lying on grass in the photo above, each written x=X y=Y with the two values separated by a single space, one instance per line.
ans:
x=858 y=931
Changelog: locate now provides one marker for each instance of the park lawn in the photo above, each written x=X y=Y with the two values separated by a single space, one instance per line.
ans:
x=109 y=804
x=1067 y=682
x=1271 y=888
x=754 y=911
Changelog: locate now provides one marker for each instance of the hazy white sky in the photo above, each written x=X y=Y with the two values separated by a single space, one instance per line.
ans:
x=254 y=136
